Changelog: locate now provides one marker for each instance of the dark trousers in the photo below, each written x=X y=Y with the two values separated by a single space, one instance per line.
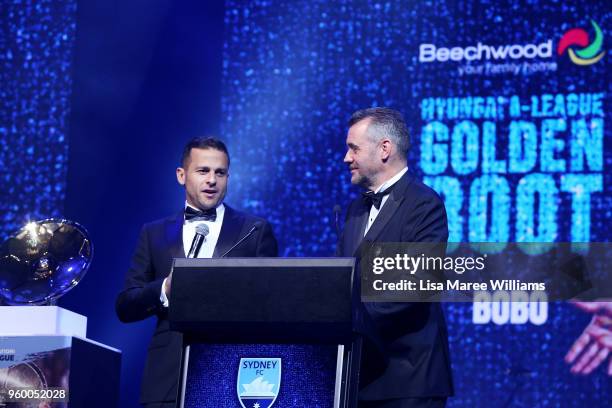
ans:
x=160 y=405
x=405 y=403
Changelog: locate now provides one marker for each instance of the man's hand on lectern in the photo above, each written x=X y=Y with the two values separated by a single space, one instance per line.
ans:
x=167 y=285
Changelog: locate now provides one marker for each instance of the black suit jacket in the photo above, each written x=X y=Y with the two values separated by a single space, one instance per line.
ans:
x=405 y=350
x=160 y=242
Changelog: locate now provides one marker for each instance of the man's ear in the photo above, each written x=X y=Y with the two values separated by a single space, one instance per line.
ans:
x=180 y=175
x=387 y=148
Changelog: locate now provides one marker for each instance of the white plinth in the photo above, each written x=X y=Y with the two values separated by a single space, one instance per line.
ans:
x=41 y=320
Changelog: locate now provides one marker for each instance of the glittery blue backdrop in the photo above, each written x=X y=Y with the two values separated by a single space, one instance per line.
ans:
x=293 y=72
x=36 y=49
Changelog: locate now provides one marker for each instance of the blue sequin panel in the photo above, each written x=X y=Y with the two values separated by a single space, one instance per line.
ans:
x=36 y=54
x=308 y=375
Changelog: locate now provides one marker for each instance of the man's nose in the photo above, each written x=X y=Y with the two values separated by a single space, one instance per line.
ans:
x=211 y=179
x=347 y=157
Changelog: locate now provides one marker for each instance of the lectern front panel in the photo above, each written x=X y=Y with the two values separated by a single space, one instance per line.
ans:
x=260 y=376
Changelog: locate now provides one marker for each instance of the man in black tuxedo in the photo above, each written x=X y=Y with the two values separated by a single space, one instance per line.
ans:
x=204 y=173
x=405 y=359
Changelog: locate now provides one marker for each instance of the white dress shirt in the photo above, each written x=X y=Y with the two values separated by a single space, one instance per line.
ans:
x=210 y=241
x=374 y=211
x=208 y=246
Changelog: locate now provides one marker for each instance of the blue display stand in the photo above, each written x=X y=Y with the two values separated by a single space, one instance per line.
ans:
x=64 y=371
x=265 y=332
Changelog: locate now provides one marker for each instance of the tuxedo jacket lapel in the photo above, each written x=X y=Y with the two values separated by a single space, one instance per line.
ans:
x=386 y=213
x=384 y=216
x=356 y=227
x=230 y=231
x=174 y=236
x=229 y=235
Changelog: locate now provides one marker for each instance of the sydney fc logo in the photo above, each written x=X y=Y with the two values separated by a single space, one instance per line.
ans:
x=258 y=382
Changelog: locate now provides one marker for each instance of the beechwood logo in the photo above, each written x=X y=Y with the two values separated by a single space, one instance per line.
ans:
x=514 y=58
x=589 y=53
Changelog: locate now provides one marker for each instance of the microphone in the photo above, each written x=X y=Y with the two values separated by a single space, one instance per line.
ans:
x=337 y=210
x=254 y=228
x=202 y=231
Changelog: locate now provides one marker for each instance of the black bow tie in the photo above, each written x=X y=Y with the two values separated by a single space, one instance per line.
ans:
x=375 y=199
x=206 y=215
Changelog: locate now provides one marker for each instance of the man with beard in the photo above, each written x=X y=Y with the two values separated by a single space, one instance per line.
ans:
x=204 y=173
x=405 y=358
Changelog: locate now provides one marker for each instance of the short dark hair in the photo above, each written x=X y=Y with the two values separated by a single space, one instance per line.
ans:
x=204 y=143
x=385 y=122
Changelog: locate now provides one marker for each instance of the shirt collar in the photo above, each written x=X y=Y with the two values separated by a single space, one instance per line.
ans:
x=220 y=210
x=392 y=180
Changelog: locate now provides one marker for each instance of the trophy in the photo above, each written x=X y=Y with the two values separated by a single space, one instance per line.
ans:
x=38 y=264
x=43 y=261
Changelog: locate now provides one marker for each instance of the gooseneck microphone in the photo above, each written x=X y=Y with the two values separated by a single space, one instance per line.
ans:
x=202 y=231
x=337 y=210
x=254 y=228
